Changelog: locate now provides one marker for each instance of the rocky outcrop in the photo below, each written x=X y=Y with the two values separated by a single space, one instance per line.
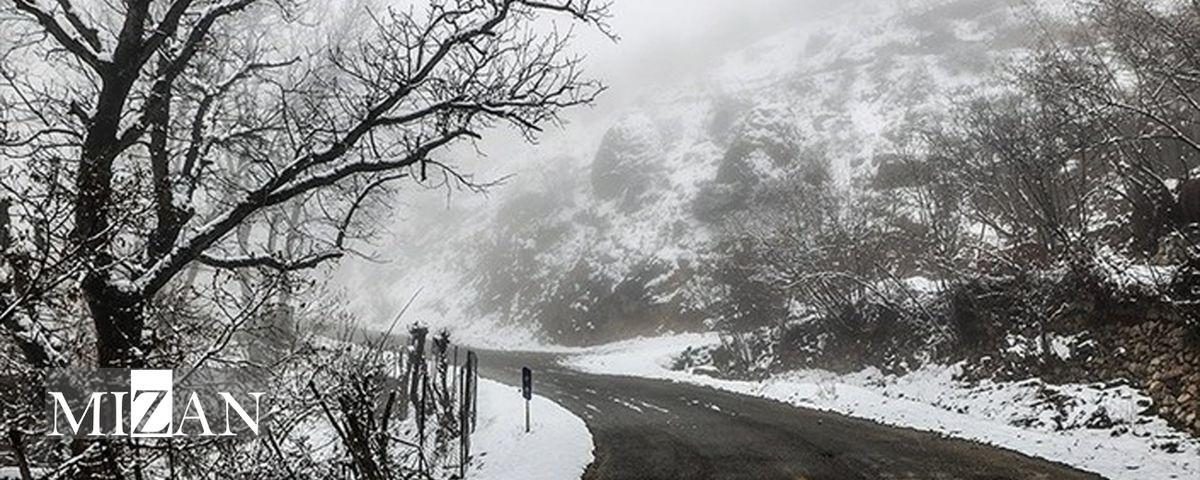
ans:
x=625 y=164
x=765 y=146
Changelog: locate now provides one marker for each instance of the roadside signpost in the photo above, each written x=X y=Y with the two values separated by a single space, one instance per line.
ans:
x=527 y=392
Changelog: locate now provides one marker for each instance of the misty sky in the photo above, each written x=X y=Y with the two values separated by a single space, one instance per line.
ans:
x=660 y=41
x=661 y=37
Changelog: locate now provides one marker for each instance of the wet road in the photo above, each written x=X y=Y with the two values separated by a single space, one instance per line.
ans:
x=652 y=429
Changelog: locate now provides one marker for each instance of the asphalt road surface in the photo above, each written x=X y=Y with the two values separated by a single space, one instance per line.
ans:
x=652 y=429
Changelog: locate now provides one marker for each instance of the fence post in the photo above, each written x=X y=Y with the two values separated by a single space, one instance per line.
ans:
x=474 y=379
x=457 y=369
x=466 y=410
x=462 y=439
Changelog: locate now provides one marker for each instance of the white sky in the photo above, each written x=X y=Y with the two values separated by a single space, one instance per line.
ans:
x=665 y=35
x=659 y=40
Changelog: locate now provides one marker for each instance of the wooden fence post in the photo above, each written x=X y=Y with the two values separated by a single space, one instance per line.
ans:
x=466 y=411
x=474 y=379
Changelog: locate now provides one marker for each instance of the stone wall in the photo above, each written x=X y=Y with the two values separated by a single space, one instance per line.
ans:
x=1152 y=350
x=1162 y=357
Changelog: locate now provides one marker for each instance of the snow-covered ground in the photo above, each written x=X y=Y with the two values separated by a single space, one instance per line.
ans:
x=558 y=446
x=1016 y=415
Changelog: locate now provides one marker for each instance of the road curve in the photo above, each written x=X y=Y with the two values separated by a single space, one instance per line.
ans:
x=651 y=429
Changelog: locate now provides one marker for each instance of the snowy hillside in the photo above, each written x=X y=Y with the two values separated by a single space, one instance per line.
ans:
x=612 y=239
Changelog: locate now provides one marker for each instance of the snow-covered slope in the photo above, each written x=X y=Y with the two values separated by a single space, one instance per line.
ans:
x=611 y=239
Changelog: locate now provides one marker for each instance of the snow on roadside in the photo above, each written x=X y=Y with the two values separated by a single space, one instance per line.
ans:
x=558 y=447
x=1015 y=415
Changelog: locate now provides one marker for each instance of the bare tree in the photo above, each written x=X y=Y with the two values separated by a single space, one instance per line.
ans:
x=1022 y=170
x=1129 y=74
x=144 y=138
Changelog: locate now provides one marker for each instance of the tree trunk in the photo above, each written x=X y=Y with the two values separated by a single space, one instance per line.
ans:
x=119 y=318
x=16 y=442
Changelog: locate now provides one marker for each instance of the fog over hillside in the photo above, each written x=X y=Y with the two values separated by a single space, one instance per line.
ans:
x=687 y=83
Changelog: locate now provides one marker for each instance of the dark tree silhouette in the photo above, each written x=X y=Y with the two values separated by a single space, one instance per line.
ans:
x=144 y=137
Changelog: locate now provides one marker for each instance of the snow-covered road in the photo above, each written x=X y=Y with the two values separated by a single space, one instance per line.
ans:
x=1134 y=447
x=656 y=429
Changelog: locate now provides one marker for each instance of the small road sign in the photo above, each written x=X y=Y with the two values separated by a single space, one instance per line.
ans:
x=527 y=392
x=526 y=383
